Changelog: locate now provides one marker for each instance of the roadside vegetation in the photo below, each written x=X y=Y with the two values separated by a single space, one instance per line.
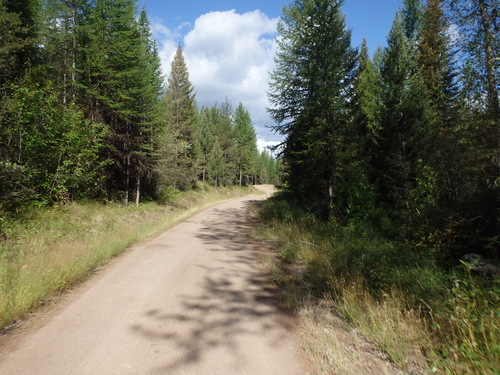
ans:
x=45 y=251
x=390 y=162
x=425 y=318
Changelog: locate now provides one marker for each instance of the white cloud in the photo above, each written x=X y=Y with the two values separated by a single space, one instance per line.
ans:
x=230 y=54
x=227 y=55
x=263 y=144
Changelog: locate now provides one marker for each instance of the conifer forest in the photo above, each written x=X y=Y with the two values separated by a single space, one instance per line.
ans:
x=85 y=111
x=407 y=139
x=391 y=158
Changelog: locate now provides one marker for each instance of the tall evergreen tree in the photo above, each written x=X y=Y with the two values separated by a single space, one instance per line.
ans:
x=403 y=123
x=17 y=37
x=180 y=99
x=479 y=27
x=435 y=62
x=148 y=104
x=412 y=13
x=114 y=84
x=181 y=117
x=309 y=92
x=246 y=143
x=204 y=142
x=59 y=34
x=365 y=131
x=223 y=126
x=479 y=126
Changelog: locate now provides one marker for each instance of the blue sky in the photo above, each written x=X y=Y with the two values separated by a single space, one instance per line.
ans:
x=229 y=45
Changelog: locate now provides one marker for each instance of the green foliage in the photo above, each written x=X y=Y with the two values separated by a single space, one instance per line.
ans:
x=176 y=161
x=52 y=151
x=14 y=43
x=309 y=94
x=246 y=144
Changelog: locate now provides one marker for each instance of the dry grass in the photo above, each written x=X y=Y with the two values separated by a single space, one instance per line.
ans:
x=396 y=330
x=46 y=251
x=335 y=347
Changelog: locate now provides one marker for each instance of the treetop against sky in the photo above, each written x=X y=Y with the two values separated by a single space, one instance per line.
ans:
x=229 y=45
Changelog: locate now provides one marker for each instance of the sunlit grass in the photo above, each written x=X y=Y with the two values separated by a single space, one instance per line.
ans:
x=48 y=250
x=397 y=299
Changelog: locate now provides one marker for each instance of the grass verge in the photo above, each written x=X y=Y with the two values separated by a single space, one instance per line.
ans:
x=45 y=251
x=422 y=318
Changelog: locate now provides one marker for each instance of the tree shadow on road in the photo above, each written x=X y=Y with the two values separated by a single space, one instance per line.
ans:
x=235 y=307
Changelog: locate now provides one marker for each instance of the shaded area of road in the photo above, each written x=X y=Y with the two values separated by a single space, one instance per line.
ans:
x=192 y=301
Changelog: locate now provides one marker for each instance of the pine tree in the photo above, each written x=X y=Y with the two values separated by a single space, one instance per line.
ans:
x=412 y=13
x=435 y=59
x=246 y=142
x=435 y=62
x=479 y=27
x=15 y=40
x=223 y=128
x=181 y=117
x=150 y=111
x=309 y=92
x=364 y=133
x=403 y=122
x=204 y=142
x=59 y=34
x=113 y=78
x=180 y=99
x=478 y=130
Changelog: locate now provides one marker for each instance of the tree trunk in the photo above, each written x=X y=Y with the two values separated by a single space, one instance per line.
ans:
x=127 y=180
x=241 y=174
x=73 y=53
x=138 y=191
x=493 y=103
x=65 y=66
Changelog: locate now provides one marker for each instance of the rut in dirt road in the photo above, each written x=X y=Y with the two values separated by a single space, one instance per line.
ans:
x=192 y=301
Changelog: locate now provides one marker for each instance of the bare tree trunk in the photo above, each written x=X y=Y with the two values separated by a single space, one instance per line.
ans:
x=65 y=67
x=138 y=191
x=127 y=180
x=241 y=174
x=73 y=53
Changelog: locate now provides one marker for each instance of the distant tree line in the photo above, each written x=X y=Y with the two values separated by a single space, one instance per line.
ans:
x=407 y=140
x=86 y=113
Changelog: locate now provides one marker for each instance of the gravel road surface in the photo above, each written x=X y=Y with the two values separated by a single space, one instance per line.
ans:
x=192 y=301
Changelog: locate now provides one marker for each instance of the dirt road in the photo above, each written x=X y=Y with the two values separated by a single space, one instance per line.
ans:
x=192 y=301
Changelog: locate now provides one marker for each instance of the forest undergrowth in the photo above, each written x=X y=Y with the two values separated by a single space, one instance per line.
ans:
x=425 y=318
x=44 y=251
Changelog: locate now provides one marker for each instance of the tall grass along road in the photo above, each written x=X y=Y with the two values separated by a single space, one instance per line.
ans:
x=191 y=301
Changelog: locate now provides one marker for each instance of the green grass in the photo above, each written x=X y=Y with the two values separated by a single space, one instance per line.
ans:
x=424 y=318
x=45 y=251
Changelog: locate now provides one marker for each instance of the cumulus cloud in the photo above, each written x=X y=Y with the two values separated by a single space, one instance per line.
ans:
x=227 y=55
